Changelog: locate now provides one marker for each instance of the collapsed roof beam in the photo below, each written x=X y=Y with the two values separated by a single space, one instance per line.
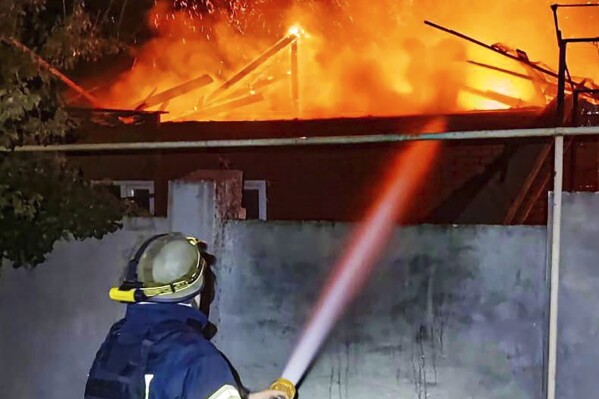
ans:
x=252 y=66
x=510 y=101
x=499 y=51
x=498 y=69
x=46 y=65
x=167 y=95
x=253 y=87
x=224 y=107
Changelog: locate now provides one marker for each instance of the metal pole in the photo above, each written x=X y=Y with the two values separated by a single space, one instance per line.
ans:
x=561 y=85
x=294 y=79
x=306 y=141
x=555 y=266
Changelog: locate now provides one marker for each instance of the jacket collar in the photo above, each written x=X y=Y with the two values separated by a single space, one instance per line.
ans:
x=139 y=315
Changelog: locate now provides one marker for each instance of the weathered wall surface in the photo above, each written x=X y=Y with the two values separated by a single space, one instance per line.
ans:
x=578 y=348
x=450 y=312
x=53 y=319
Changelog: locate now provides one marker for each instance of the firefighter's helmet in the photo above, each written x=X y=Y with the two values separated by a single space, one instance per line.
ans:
x=165 y=268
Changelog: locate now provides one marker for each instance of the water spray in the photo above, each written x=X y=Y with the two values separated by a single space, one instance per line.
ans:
x=353 y=269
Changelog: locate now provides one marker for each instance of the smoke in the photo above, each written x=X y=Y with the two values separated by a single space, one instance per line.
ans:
x=358 y=57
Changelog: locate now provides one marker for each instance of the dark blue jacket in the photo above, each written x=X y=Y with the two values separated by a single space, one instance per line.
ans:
x=159 y=352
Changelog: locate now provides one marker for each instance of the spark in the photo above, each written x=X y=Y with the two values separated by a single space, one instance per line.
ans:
x=295 y=30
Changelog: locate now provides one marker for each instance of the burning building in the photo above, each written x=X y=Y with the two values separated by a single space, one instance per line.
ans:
x=281 y=60
x=270 y=69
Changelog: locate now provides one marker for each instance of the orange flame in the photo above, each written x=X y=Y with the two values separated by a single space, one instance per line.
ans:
x=357 y=60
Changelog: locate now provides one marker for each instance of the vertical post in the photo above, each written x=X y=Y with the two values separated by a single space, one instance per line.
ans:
x=561 y=73
x=561 y=85
x=555 y=266
x=295 y=79
x=575 y=100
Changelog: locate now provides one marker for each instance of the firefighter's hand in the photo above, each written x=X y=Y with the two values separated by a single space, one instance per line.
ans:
x=268 y=395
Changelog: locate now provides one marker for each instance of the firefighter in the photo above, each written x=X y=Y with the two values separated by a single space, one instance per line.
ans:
x=158 y=350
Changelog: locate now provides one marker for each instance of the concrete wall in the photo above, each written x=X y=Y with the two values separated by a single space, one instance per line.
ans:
x=578 y=350
x=450 y=312
x=52 y=319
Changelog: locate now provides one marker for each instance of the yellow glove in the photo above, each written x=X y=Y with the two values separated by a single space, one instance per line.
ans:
x=280 y=389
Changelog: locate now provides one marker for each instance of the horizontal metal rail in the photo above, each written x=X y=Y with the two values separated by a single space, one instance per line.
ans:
x=307 y=141
x=581 y=39
x=576 y=5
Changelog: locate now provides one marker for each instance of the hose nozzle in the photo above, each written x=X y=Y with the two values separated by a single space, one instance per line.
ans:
x=285 y=386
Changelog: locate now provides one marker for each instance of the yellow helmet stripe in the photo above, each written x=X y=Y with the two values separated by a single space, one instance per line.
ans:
x=127 y=296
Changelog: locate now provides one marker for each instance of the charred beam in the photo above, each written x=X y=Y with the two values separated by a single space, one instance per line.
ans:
x=167 y=95
x=114 y=117
x=542 y=185
x=535 y=184
x=252 y=66
x=450 y=209
x=539 y=81
x=149 y=95
x=502 y=70
x=510 y=101
x=71 y=98
x=46 y=65
x=256 y=86
x=294 y=79
x=538 y=165
x=498 y=51
x=224 y=107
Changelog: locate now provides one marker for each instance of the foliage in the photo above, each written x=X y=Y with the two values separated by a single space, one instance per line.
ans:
x=42 y=198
